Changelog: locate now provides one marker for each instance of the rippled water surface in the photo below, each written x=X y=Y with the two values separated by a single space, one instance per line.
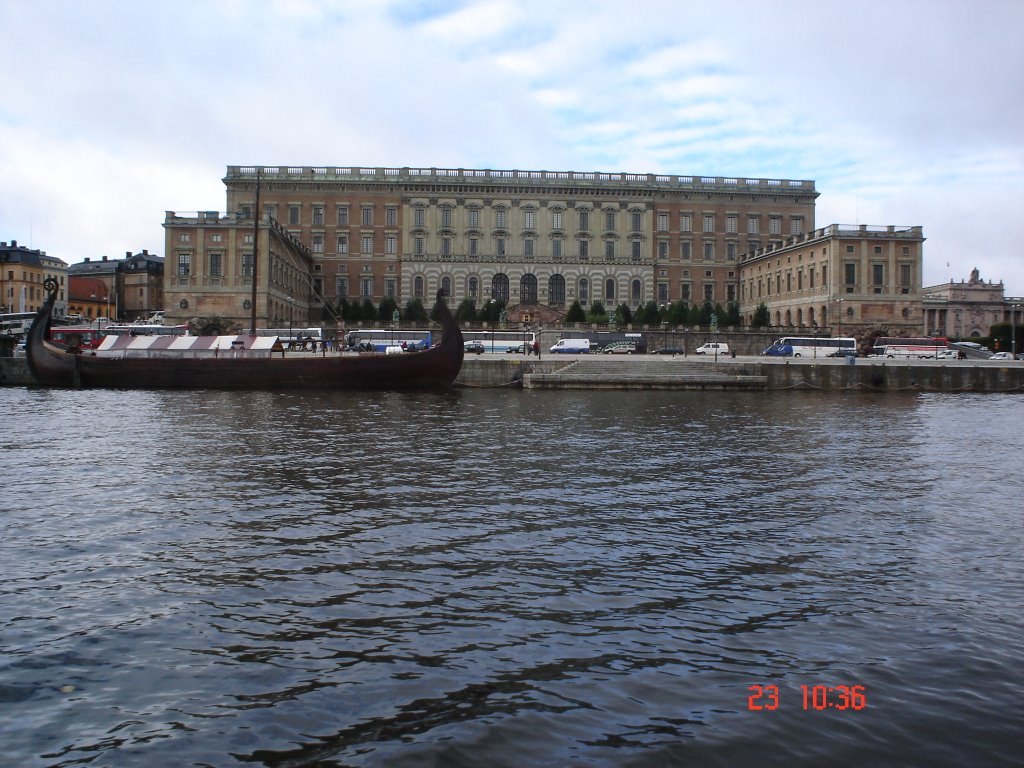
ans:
x=485 y=578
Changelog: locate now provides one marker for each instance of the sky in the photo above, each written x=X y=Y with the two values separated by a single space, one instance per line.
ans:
x=905 y=112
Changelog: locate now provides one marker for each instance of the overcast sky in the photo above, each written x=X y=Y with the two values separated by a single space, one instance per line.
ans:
x=903 y=112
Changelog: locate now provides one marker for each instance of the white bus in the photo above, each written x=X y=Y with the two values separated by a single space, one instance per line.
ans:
x=16 y=323
x=812 y=346
x=382 y=338
x=899 y=346
x=502 y=341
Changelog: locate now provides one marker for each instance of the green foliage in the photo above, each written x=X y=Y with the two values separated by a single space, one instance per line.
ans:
x=732 y=314
x=386 y=310
x=576 y=313
x=368 y=311
x=466 y=311
x=490 y=312
x=761 y=317
x=623 y=315
x=1001 y=335
x=597 y=314
x=415 y=312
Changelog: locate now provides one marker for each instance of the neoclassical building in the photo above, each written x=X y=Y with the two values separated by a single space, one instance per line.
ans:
x=850 y=279
x=968 y=307
x=537 y=240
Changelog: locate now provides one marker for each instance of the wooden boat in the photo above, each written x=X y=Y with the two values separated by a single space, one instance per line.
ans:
x=240 y=366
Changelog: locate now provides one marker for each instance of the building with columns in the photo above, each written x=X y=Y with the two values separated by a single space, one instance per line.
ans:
x=968 y=307
x=537 y=240
x=850 y=279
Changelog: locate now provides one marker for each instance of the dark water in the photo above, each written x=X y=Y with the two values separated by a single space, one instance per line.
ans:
x=488 y=578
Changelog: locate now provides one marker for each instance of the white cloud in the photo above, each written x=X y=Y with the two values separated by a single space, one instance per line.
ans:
x=909 y=116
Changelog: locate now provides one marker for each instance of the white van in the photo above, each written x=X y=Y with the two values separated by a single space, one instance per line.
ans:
x=571 y=346
x=713 y=347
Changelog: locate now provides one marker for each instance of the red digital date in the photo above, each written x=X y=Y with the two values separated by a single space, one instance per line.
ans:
x=815 y=697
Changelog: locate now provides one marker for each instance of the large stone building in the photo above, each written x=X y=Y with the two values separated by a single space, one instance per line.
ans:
x=968 y=308
x=536 y=240
x=124 y=290
x=851 y=280
x=22 y=272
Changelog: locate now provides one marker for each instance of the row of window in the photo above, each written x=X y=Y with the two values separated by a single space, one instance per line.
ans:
x=584 y=219
x=850 y=280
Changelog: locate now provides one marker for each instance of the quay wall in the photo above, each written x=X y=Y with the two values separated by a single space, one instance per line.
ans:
x=961 y=376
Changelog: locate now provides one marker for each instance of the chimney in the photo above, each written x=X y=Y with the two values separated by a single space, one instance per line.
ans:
x=127 y=254
x=104 y=258
x=145 y=252
x=86 y=259
x=14 y=243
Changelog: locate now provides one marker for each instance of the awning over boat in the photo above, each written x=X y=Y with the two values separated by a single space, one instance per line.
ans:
x=116 y=345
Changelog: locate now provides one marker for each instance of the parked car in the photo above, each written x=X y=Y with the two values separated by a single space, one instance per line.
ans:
x=620 y=348
x=1001 y=356
x=669 y=351
x=519 y=350
x=947 y=354
x=844 y=353
x=474 y=347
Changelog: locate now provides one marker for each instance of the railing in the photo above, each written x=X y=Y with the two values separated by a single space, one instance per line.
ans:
x=320 y=173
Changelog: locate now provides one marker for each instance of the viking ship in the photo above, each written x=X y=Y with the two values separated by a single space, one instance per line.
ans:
x=240 y=364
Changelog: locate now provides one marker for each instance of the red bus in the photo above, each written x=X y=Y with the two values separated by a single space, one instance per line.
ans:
x=84 y=337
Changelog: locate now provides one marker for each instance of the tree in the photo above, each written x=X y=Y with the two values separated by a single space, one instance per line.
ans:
x=387 y=308
x=368 y=311
x=761 y=317
x=732 y=314
x=576 y=313
x=466 y=311
x=623 y=314
x=597 y=313
x=491 y=311
x=414 y=311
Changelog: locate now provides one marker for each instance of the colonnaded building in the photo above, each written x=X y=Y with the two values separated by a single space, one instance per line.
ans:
x=535 y=240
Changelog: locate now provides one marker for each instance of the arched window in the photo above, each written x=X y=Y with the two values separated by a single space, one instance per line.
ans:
x=473 y=288
x=556 y=290
x=446 y=285
x=528 y=289
x=499 y=287
x=584 y=292
x=609 y=289
x=636 y=293
x=418 y=288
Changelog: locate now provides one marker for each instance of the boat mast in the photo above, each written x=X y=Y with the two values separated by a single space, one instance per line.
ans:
x=255 y=253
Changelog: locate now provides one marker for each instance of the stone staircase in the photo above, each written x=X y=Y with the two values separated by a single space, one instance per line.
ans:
x=643 y=372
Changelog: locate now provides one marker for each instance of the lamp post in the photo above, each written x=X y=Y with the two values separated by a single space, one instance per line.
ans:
x=839 y=319
x=291 y=311
x=1013 y=331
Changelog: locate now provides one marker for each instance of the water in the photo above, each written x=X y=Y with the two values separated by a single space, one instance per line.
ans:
x=496 y=578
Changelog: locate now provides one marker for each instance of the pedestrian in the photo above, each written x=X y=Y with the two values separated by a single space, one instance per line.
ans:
x=536 y=349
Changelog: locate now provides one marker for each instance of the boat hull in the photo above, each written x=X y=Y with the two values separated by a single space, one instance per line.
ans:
x=57 y=366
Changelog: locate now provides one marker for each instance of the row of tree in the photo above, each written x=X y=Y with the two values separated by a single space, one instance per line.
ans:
x=678 y=313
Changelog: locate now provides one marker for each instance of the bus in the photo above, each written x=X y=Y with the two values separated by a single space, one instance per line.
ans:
x=502 y=341
x=145 y=329
x=84 y=336
x=379 y=339
x=896 y=346
x=812 y=346
x=16 y=323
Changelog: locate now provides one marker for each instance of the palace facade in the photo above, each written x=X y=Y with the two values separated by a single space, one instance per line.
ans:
x=536 y=240
x=852 y=279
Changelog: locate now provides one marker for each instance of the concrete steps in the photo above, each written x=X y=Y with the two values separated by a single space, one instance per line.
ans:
x=601 y=372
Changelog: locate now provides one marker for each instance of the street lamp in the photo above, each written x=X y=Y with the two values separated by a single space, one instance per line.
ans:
x=1013 y=331
x=291 y=339
x=839 y=319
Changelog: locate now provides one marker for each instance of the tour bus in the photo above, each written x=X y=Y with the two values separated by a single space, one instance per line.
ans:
x=796 y=346
x=145 y=329
x=16 y=323
x=896 y=347
x=502 y=341
x=85 y=337
x=379 y=339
